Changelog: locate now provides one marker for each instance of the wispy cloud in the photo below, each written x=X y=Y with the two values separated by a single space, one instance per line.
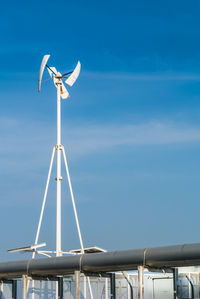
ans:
x=158 y=76
x=95 y=138
x=19 y=137
x=26 y=147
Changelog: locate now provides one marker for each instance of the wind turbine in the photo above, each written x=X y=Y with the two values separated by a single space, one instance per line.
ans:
x=62 y=92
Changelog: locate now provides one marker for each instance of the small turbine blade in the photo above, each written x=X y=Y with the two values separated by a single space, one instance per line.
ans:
x=72 y=79
x=43 y=64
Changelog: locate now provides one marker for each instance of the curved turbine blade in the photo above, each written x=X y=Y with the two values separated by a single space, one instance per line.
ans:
x=72 y=79
x=43 y=64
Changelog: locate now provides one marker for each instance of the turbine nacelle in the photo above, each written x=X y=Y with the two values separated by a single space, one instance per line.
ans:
x=57 y=76
x=57 y=80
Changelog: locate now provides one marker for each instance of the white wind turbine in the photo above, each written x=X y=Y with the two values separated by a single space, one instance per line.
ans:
x=62 y=92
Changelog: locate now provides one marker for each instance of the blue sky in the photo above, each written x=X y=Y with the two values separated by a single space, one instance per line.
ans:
x=131 y=127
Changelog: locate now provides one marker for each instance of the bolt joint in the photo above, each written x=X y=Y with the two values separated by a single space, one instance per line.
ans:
x=59 y=178
x=58 y=147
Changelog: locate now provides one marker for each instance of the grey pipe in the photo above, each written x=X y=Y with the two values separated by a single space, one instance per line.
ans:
x=157 y=257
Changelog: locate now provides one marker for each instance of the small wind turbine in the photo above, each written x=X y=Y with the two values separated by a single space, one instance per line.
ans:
x=62 y=92
x=57 y=77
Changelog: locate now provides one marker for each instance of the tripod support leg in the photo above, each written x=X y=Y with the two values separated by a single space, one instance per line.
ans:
x=44 y=199
x=42 y=212
x=73 y=201
x=75 y=214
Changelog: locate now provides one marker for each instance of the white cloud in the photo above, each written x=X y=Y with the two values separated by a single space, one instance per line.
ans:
x=95 y=138
x=19 y=137
x=158 y=76
x=26 y=148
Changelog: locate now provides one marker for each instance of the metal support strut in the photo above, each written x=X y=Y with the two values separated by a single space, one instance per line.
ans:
x=60 y=288
x=14 y=289
x=77 y=284
x=24 y=286
x=140 y=282
x=112 y=286
x=175 y=279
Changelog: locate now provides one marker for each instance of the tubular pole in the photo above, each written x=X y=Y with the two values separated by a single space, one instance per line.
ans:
x=106 y=288
x=24 y=286
x=77 y=284
x=1 y=290
x=84 y=286
x=59 y=178
x=73 y=201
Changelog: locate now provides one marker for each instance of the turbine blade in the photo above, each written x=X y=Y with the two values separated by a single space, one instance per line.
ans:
x=72 y=79
x=42 y=66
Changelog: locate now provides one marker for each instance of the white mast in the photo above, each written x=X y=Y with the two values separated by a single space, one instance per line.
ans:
x=59 y=178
